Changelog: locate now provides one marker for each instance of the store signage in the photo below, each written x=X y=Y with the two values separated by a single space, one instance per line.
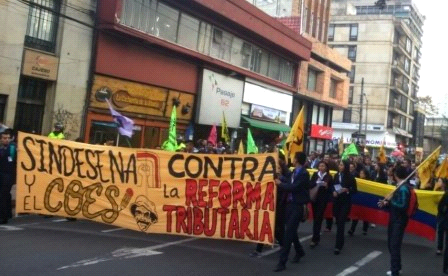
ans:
x=138 y=98
x=267 y=114
x=321 y=132
x=220 y=94
x=40 y=65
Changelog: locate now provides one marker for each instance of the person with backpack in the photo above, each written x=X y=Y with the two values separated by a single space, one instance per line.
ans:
x=8 y=163
x=442 y=229
x=402 y=203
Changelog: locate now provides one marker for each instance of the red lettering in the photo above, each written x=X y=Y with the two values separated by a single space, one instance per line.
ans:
x=238 y=193
x=234 y=224
x=223 y=212
x=211 y=193
x=210 y=227
x=180 y=219
x=198 y=225
x=224 y=194
x=269 y=198
x=256 y=225
x=266 y=228
x=189 y=221
x=253 y=194
x=191 y=188
x=201 y=193
x=169 y=209
x=244 y=225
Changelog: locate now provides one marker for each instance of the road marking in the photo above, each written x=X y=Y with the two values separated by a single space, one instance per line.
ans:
x=127 y=253
x=277 y=248
x=372 y=255
x=59 y=220
x=112 y=230
x=10 y=228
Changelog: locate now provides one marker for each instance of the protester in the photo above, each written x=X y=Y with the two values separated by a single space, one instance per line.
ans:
x=313 y=160
x=380 y=174
x=58 y=132
x=398 y=202
x=364 y=174
x=442 y=223
x=344 y=184
x=8 y=163
x=322 y=181
x=297 y=195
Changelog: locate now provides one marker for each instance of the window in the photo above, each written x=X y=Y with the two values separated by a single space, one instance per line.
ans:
x=188 y=32
x=274 y=66
x=312 y=80
x=42 y=25
x=311 y=23
x=352 y=53
x=347 y=116
x=165 y=25
x=351 y=74
x=333 y=88
x=286 y=71
x=408 y=45
x=350 y=94
x=407 y=65
x=405 y=85
x=353 y=32
x=221 y=44
x=304 y=20
x=331 y=32
x=30 y=104
x=260 y=61
x=205 y=34
x=3 y=100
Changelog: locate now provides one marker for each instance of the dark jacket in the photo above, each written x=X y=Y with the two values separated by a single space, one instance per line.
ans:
x=399 y=203
x=442 y=215
x=298 y=187
x=322 y=193
x=8 y=160
x=346 y=181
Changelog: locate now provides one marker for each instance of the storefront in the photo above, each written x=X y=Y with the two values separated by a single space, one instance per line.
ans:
x=267 y=111
x=149 y=106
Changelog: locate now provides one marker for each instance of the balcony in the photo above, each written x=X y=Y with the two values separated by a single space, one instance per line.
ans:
x=400 y=47
x=398 y=67
x=394 y=106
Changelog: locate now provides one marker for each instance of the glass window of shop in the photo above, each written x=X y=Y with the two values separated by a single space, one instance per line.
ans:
x=100 y=132
x=165 y=22
x=30 y=105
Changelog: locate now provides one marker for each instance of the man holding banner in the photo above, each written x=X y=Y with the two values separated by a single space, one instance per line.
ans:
x=297 y=195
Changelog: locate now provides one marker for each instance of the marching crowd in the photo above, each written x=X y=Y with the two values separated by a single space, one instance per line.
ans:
x=297 y=190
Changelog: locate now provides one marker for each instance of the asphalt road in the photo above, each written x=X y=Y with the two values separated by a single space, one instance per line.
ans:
x=34 y=245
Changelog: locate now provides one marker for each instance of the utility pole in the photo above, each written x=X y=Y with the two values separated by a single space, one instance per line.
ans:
x=360 y=108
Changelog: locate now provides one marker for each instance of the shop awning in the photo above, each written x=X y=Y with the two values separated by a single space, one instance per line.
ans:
x=267 y=125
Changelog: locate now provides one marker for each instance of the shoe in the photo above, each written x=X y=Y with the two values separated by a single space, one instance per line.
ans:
x=439 y=252
x=373 y=225
x=313 y=244
x=364 y=233
x=297 y=258
x=337 y=251
x=4 y=221
x=351 y=232
x=279 y=268
x=389 y=273
x=255 y=254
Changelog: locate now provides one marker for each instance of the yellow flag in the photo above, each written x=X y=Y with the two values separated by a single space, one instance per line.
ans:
x=442 y=170
x=241 y=148
x=382 y=154
x=427 y=167
x=341 y=145
x=295 y=140
x=224 y=130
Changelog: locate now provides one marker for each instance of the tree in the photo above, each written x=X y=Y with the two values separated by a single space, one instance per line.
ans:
x=427 y=104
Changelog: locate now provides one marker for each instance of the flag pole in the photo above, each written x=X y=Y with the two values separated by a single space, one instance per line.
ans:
x=118 y=138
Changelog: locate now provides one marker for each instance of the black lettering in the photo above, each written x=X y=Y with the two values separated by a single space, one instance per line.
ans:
x=71 y=158
x=60 y=186
x=250 y=171
x=76 y=191
x=114 y=210
x=208 y=162
x=79 y=163
x=114 y=162
x=53 y=158
x=92 y=166
x=90 y=200
x=132 y=167
x=232 y=164
x=99 y=166
x=29 y=153
x=198 y=166
x=26 y=203
x=42 y=159
x=171 y=166
x=272 y=164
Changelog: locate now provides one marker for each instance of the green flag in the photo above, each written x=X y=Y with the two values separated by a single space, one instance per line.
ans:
x=251 y=147
x=350 y=150
x=171 y=143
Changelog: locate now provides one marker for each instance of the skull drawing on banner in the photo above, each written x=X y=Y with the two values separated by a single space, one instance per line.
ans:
x=144 y=212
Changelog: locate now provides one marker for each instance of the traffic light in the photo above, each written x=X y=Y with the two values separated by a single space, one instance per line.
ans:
x=381 y=4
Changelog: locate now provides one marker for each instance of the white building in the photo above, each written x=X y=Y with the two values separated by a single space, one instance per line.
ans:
x=45 y=58
x=384 y=46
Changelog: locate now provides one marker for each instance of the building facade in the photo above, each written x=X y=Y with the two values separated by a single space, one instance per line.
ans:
x=323 y=81
x=207 y=59
x=385 y=48
x=436 y=131
x=45 y=58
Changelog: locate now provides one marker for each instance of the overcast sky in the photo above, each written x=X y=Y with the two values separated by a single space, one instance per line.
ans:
x=433 y=75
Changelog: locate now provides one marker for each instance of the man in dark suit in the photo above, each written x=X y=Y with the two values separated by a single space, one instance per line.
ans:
x=296 y=189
